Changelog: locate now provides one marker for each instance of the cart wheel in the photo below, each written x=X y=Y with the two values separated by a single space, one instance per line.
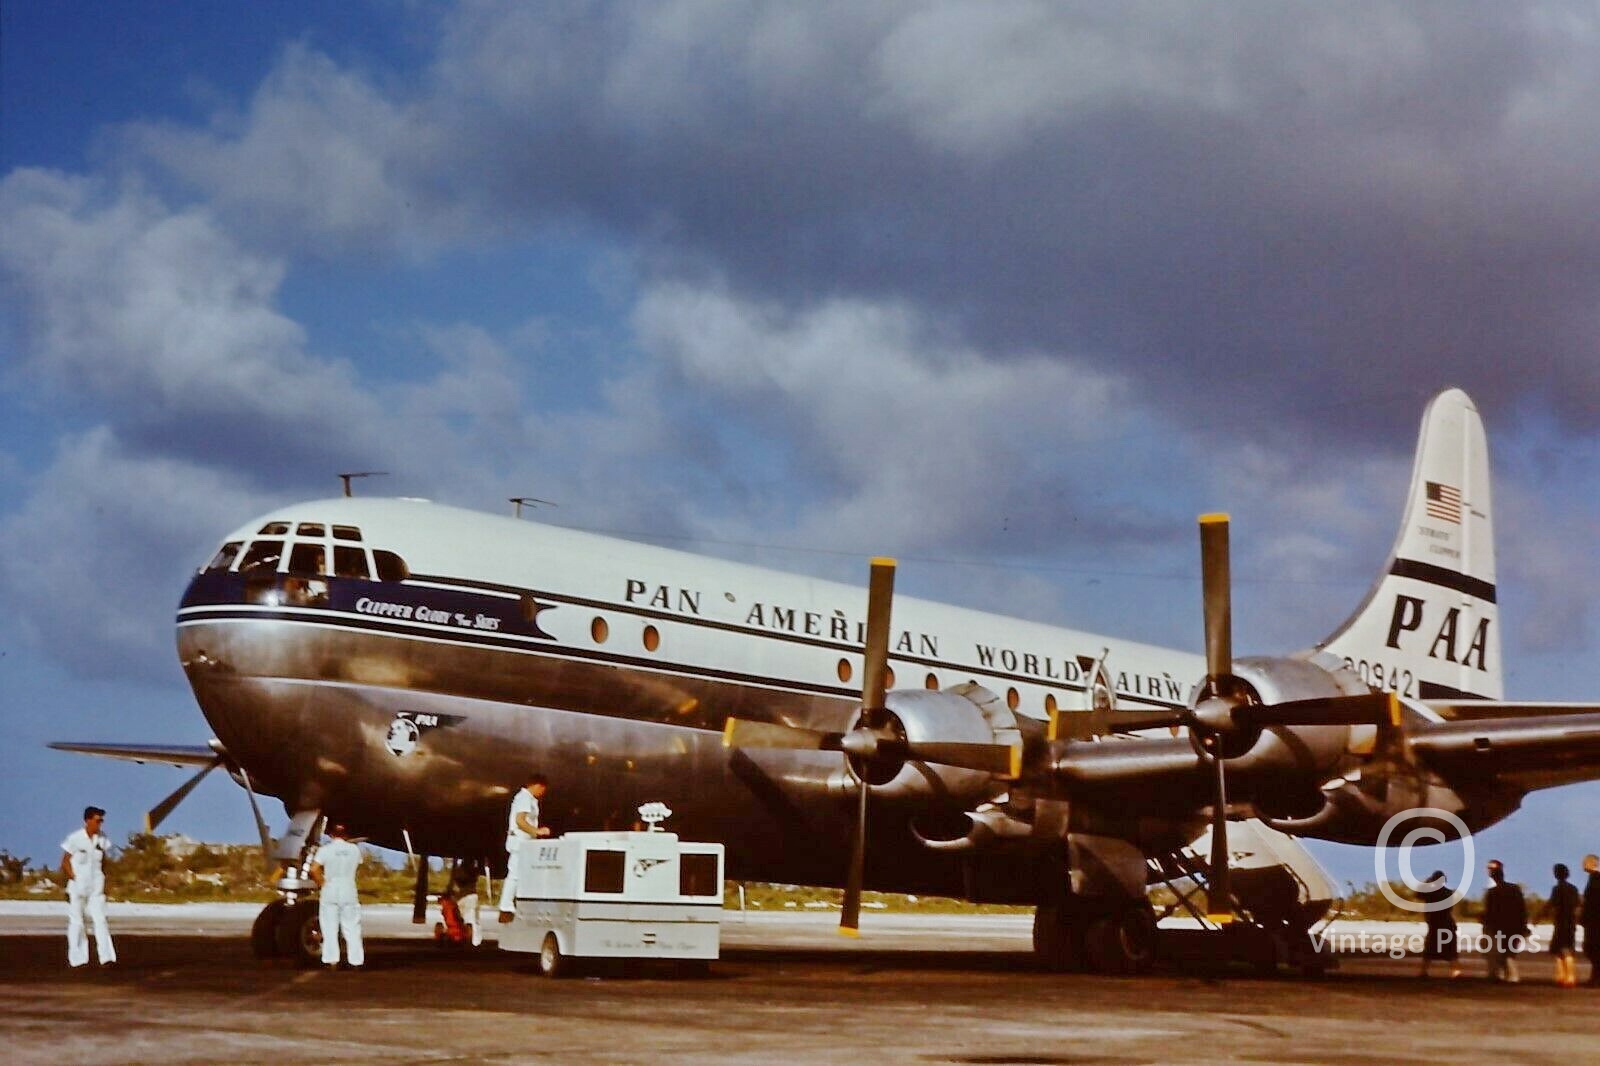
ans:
x=551 y=962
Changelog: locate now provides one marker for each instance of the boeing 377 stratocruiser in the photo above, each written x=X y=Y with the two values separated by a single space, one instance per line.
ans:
x=400 y=666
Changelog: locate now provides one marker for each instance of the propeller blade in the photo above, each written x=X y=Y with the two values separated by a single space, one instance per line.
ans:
x=1216 y=589
x=1002 y=759
x=875 y=658
x=850 y=912
x=1219 y=885
x=1132 y=721
x=1379 y=708
x=743 y=733
x=158 y=814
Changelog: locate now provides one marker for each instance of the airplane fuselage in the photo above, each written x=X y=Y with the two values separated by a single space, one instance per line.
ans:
x=403 y=665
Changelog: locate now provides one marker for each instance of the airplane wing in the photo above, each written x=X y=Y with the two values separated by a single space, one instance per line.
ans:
x=175 y=754
x=1534 y=751
x=1475 y=710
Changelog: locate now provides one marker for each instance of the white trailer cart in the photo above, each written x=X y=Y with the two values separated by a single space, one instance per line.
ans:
x=621 y=895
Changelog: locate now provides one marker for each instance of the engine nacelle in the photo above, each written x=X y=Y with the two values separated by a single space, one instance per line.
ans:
x=1303 y=751
x=967 y=714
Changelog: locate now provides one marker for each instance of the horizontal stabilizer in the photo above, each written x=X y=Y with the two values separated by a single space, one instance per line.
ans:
x=174 y=754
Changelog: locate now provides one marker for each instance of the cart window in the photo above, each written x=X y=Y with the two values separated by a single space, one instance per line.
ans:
x=602 y=871
x=697 y=875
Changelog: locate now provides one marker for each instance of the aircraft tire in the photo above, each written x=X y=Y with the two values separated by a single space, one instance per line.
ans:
x=299 y=933
x=552 y=963
x=1057 y=940
x=264 y=931
x=1122 y=943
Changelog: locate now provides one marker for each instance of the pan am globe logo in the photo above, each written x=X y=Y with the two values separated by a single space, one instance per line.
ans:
x=1426 y=831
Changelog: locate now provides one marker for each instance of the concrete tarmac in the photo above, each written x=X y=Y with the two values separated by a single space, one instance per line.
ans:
x=914 y=989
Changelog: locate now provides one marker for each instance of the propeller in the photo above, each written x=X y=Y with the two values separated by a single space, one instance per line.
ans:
x=875 y=740
x=1227 y=708
x=158 y=814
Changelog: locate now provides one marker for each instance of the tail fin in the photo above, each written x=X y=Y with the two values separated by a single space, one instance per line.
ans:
x=1430 y=627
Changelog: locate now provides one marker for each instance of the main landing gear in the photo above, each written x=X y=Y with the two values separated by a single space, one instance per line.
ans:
x=288 y=927
x=1110 y=936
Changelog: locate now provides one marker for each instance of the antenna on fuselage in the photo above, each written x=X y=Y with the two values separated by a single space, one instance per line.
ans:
x=360 y=473
x=531 y=501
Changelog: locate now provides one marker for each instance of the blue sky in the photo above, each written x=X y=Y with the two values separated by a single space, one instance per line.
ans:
x=1011 y=290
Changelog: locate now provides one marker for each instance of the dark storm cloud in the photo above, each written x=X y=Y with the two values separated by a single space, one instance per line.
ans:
x=1325 y=211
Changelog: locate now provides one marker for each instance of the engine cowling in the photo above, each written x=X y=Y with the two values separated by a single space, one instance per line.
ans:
x=1304 y=751
x=964 y=714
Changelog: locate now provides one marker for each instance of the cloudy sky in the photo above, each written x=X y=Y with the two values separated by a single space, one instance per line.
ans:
x=1010 y=290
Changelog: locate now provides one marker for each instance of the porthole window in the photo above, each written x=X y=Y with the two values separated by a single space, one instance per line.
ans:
x=1013 y=698
x=846 y=672
x=599 y=631
x=931 y=683
x=888 y=677
x=652 y=638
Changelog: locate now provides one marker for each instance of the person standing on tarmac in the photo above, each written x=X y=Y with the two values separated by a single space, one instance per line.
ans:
x=1441 y=943
x=82 y=862
x=1591 y=918
x=339 y=907
x=1505 y=920
x=1562 y=910
x=522 y=826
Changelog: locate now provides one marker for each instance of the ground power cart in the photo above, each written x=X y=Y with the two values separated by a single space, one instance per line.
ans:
x=617 y=895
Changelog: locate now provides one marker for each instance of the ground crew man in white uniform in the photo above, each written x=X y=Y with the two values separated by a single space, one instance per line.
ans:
x=83 y=853
x=339 y=908
x=521 y=827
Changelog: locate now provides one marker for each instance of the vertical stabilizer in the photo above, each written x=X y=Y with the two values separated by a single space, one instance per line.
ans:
x=1430 y=627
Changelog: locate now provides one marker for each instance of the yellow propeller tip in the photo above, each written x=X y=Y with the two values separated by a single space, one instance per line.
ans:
x=845 y=930
x=1211 y=519
x=884 y=560
x=1219 y=919
x=727 y=734
x=1016 y=762
x=1054 y=729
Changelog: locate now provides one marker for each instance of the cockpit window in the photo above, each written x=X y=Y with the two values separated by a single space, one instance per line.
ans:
x=390 y=566
x=349 y=562
x=307 y=559
x=262 y=555
x=346 y=533
x=225 y=555
x=309 y=529
x=275 y=529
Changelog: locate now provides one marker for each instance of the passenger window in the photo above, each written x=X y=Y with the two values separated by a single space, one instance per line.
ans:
x=349 y=562
x=390 y=566
x=307 y=559
x=261 y=555
x=346 y=533
x=602 y=871
x=225 y=555
x=697 y=875
x=275 y=529
x=309 y=529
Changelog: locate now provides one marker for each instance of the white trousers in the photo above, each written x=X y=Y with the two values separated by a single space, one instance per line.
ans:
x=336 y=919
x=469 y=914
x=93 y=902
x=508 y=890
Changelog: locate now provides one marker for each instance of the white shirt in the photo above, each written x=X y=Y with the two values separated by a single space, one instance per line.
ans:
x=339 y=860
x=88 y=852
x=524 y=803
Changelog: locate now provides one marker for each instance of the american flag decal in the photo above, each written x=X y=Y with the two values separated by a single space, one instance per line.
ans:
x=1444 y=502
